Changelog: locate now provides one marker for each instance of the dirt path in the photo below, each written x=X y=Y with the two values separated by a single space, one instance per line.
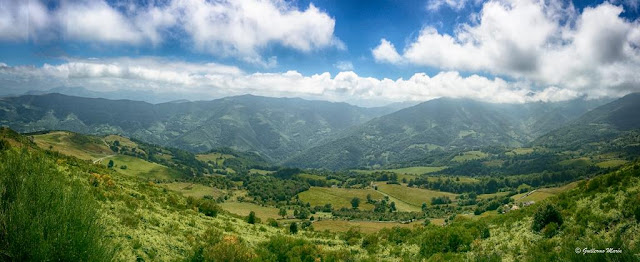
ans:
x=102 y=158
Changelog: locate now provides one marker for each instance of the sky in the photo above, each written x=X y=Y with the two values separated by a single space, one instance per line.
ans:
x=367 y=53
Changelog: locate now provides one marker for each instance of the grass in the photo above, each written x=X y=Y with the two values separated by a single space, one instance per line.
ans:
x=244 y=208
x=61 y=141
x=412 y=196
x=338 y=197
x=470 y=155
x=217 y=158
x=194 y=190
x=583 y=161
x=363 y=226
x=498 y=194
x=260 y=171
x=144 y=169
x=123 y=140
x=611 y=163
x=543 y=193
x=521 y=151
x=463 y=179
x=416 y=170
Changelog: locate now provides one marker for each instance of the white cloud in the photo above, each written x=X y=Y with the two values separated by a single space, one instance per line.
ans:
x=21 y=20
x=435 y=5
x=241 y=28
x=207 y=81
x=545 y=43
x=386 y=52
x=344 y=65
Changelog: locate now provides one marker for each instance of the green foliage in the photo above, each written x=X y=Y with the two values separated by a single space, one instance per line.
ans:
x=110 y=165
x=45 y=215
x=545 y=214
x=355 y=202
x=251 y=219
x=285 y=249
x=293 y=228
x=208 y=207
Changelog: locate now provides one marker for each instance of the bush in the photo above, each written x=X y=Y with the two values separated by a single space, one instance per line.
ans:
x=46 y=216
x=208 y=207
x=544 y=215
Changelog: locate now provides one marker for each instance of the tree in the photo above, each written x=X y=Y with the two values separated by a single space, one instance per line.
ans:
x=355 y=202
x=282 y=212
x=251 y=219
x=110 y=165
x=546 y=214
x=293 y=228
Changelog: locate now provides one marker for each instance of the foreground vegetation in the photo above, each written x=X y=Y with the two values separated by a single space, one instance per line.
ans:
x=88 y=211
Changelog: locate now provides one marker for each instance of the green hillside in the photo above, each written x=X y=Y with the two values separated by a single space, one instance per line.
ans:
x=276 y=128
x=438 y=126
x=107 y=215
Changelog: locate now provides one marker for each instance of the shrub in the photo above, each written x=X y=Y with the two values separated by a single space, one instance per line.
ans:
x=46 y=216
x=251 y=219
x=208 y=207
x=293 y=228
x=544 y=215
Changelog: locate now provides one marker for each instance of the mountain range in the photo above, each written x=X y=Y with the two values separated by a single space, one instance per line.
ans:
x=319 y=134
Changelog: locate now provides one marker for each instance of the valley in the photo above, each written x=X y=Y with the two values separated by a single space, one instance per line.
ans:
x=161 y=202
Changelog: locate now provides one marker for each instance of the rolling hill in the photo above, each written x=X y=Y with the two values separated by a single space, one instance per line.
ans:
x=277 y=128
x=441 y=124
x=615 y=124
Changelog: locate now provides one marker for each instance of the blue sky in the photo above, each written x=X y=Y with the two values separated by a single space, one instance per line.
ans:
x=362 y=52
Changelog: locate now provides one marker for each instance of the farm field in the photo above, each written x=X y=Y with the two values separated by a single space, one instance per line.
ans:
x=412 y=196
x=217 y=158
x=244 y=208
x=611 y=163
x=470 y=155
x=363 y=226
x=338 y=197
x=543 y=193
x=141 y=168
x=416 y=170
x=83 y=147
x=194 y=190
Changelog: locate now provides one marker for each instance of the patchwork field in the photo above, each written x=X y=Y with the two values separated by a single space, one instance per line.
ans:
x=338 y=197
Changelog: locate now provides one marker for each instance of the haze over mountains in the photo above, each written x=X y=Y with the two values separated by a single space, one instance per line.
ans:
x=306 y=133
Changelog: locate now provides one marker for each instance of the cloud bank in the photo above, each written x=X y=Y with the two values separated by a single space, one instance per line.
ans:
x=204 y=81
x=238 y=28
x=545 y=43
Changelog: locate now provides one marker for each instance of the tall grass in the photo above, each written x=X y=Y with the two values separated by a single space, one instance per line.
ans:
x=46 y=214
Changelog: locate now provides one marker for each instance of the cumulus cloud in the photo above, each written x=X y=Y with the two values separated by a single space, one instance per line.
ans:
x=386 y=52
x=344 y=65
x=239 y=28
x=435 y=5
x=208 y=81
x=546 y=43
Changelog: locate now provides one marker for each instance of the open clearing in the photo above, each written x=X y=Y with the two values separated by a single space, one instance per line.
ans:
x=543 y=193
x=338 y=197
x=217 y=158
x=363 y=226
x=141 y=168
x=611 y=163
x=194 y=190
x=244 y=208
x=470 y=155
x=62 y=142
x=416 y=170
x=412 y=196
